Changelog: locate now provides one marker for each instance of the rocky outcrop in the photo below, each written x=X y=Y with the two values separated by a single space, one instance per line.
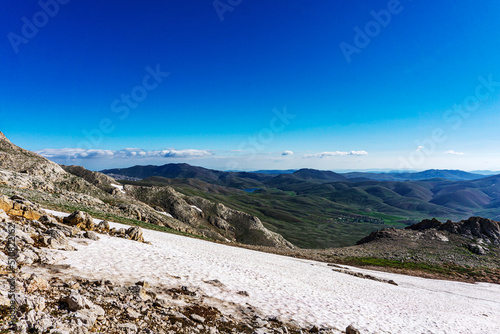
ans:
x=78 y=187
x=214 y=220
x=425 y=225
x=99 y=180
x=14 y=158
x=18 y=206
x=386 y=233
x=53 y=300
x=247 y=228
x=475 y=227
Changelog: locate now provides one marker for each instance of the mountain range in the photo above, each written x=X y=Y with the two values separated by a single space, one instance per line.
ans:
x=183 y=170
x=313 y=208
x=309 y=208
x=304 y=213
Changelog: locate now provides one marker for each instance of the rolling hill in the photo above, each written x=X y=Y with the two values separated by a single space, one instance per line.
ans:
x=313 y=208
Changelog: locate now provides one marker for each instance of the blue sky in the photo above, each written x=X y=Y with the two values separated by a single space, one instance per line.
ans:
x=248 y=85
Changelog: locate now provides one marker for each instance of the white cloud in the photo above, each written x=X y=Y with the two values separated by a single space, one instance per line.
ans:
x=335 y=154
x=453 y=152
x=78 y=153
x=287 y=153
x=419 y=148
x=190 y=153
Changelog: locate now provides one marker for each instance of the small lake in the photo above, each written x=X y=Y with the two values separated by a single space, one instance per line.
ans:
x=250 y=190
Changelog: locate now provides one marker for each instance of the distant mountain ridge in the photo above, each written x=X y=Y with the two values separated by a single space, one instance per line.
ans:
x=452 y=175
x=184 y=170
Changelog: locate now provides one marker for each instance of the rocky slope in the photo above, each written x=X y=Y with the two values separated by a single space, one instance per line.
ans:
x=50 y=299
x=74 y=187
x=99 y=180
x=212 y=218
x=16 y=159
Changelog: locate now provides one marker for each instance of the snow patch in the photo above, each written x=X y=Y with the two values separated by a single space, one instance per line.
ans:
x=165 y=214
x=302 y=291
x=196 y=208
x=117 y=186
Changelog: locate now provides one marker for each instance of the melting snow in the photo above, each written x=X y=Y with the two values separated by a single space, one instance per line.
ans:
x=120 y=187
x=306 y=292
x=196 y=208
x=165 y=213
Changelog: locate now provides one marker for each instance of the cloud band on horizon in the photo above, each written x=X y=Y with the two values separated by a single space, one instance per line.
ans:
x=79 y=153
x=335 y=154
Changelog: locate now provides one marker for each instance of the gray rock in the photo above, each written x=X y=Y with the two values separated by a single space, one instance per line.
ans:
x=87 y=317
x=128 y=328
x=476 y=249
x=197 y=318
x=75 y=301
x=91 y=235
x=132 y=314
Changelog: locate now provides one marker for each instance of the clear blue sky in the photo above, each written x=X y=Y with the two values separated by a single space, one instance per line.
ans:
x=382 y=98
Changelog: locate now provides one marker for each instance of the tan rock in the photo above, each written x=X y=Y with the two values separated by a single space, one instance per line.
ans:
x=80 y=219
x=37 y=284
x=20 y=208
x=135 y=233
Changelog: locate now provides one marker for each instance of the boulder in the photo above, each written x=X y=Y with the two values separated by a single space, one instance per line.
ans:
x=80 y=219
x=56 y=239
x=197 y=318
x=135 y=233
x=75 y=301
x=37 y=284
x=103 y=226
x=352 y=330
x=91 y=235
x=476 y=249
